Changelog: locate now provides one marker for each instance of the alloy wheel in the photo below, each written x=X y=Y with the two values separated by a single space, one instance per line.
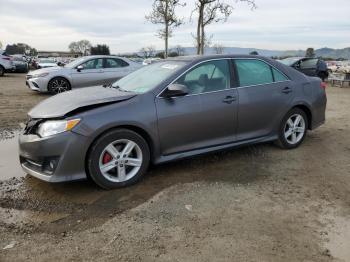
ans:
x=120 y=160
x=294 y=129
x=59 y=86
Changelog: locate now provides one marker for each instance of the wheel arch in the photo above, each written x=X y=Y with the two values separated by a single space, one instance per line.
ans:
x=140 y=131
x=307 y=111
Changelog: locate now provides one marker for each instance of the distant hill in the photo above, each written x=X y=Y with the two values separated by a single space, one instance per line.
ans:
x=324 y=52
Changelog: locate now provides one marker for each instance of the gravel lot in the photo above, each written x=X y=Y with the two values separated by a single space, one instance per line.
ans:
x=257 y=203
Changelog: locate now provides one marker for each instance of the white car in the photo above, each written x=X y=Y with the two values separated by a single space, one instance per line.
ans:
x=6 y=63
x=82 y=72
x=46 y=62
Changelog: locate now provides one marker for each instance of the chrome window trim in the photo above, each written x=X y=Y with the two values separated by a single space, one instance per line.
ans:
x=238 y=87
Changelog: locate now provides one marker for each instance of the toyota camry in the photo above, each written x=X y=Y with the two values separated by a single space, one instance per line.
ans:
x=169 y=110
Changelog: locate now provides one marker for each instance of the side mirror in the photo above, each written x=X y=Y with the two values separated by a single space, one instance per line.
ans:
x=296 y=66
x=174 y=90
x=79 y=68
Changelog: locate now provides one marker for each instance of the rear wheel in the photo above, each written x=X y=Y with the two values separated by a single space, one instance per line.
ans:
x=118 y=158
x=293 y=129
x=2 y=70
x=58 y=85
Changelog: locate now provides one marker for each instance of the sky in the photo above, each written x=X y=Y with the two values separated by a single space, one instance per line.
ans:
x=275 y=24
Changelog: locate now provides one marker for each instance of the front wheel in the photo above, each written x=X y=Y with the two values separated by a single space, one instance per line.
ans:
x=293 y=129
x=118 y=158
x=58 y=85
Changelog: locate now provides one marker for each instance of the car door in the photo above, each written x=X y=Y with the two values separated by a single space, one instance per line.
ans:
x=115 y=69
x=91 y=74
x=264 y=93
x=203 y=118
x=308 y=66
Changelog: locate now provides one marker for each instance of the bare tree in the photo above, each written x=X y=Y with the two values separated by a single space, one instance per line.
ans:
x=310 y=52
x=179 y=50
x=82 y=46
x=212 y=11
x=219 y=49
x=163 y=12
x=148 y=51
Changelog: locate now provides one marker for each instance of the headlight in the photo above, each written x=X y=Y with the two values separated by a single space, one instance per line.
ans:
x=53 y=127
x=40 y=75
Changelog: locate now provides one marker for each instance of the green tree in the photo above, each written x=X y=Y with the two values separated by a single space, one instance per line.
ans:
x=20 y=48
x=163 y=12
x=100 y=50
x=0 y=45
x=254 y=53
x=310 y=52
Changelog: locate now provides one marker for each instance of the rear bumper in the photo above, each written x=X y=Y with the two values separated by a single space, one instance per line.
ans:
x=319 y=112
x=68 y=150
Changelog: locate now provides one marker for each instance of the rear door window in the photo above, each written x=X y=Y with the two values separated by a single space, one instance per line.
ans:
x=253 y=72
x=278 y=76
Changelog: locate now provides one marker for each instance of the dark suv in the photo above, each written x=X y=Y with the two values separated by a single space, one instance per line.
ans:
x=308 y=65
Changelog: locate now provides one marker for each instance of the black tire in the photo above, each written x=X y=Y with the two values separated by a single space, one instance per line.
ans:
x=97 y=149
x=2 y=70
x=282 y=141
x=53 y=88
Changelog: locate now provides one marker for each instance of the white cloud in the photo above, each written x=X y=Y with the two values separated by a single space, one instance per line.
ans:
x=276 y=24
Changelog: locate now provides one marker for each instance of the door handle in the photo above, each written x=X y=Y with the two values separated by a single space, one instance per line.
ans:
x=287 y=90
x=229 y=99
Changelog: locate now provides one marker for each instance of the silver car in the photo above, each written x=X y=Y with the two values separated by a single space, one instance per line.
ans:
x=82 y=72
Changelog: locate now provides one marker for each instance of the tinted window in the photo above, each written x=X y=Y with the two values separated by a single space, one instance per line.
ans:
x=253 y=72
x=207 y=77
x=93 y=64
x=309 y=63
x=278 y=75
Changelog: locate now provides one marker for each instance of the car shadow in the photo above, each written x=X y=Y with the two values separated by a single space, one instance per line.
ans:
x=86 y=205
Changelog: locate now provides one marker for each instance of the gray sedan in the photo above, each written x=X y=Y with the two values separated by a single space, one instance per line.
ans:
x=169 y=110
x=82 y=72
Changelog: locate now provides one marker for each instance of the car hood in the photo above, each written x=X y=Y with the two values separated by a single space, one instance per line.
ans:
x=45 y=70
x=64 y=103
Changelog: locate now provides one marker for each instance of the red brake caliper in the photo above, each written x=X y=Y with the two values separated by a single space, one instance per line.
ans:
x=106 y=158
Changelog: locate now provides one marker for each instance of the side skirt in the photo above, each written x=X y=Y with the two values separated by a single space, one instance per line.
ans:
x=187 y=154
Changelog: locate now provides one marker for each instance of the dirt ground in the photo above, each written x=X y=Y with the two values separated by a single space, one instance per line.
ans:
x=257 y=203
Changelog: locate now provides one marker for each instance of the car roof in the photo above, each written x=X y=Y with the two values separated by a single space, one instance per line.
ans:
x=199 y=58
x=102 y=56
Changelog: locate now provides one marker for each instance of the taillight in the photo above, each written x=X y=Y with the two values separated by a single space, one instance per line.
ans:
x=323 y=85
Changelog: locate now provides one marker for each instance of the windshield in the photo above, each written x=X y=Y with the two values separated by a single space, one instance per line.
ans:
x=148 y=77
x=75 y=62
x=289 y=61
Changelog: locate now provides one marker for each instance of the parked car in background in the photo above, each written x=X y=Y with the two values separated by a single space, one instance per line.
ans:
x=20 y=63
x=169 y=110
x=82 y=72
x=308 y=66
x=6 y=63
x=149 y=61
x=45 y=63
